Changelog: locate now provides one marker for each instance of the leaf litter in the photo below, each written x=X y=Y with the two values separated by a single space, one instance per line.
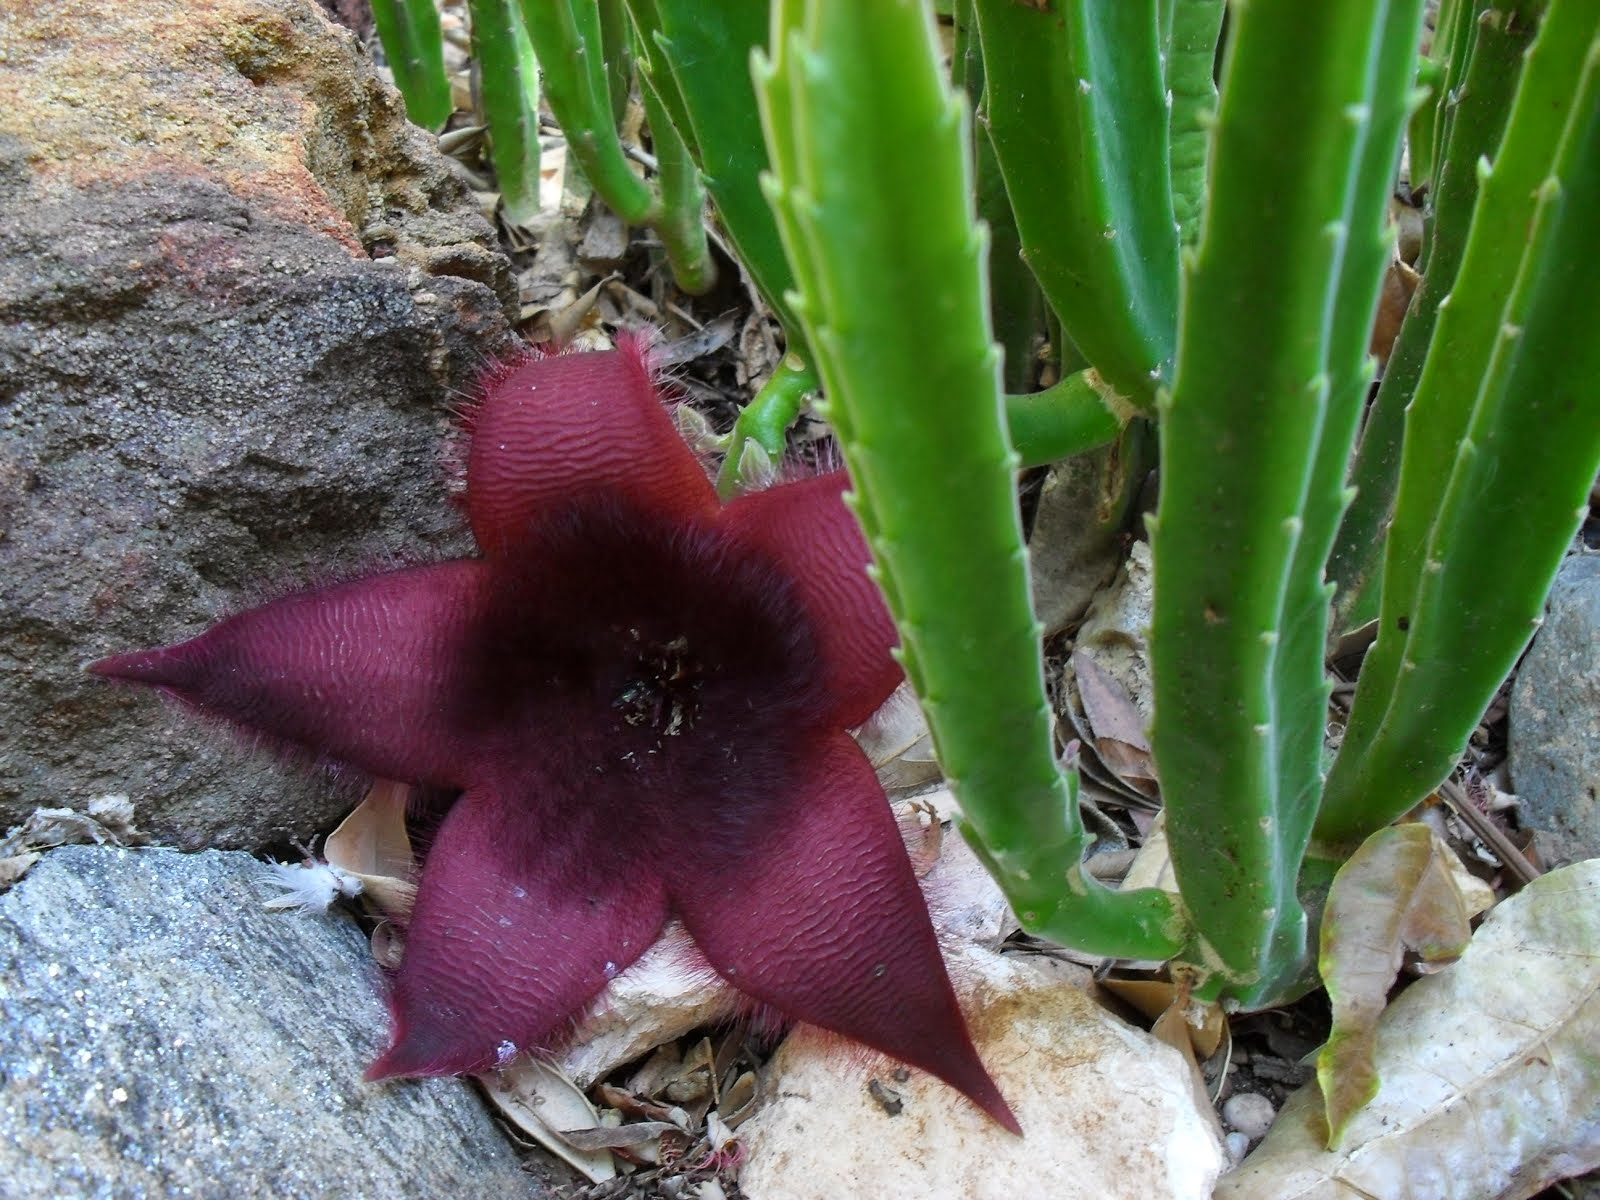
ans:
x=1489 y=1077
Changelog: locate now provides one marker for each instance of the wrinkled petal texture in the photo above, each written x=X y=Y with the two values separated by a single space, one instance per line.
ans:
x=339 y=670
x=818 y=913
x=521 y=917
x=554 y=427
x=806 y=526
x=641 y=697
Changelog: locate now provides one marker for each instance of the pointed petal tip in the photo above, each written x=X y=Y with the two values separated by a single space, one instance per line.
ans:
x=156 y=668
x=960 y=1065
x=411 y=1057
x=989 y=1099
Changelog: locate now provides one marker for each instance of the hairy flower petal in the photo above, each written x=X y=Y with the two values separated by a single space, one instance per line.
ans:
x=806 y=526
x=355 y=671
x=640 y=695
x=552 y=428
x=525 y=911
x=818 y=913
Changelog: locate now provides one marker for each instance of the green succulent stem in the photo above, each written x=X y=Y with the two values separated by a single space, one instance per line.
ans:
x=1081 y=133
x=1191 y=55
x=616 y=55
x=1474 y=112
x=509 y=91
x=1266 y=394
x=413 y=42
x=1420 y=133
x=1501 y=445
x=567 y=39
x=1079 y=413
x=681 y=222
x=872 y=212
x=698 y=61
x=767 y=418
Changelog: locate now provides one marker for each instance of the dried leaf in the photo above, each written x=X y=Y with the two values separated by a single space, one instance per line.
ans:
x=618 y=1137
x=1490 y=1082
x=1106 y=703
x=897 y=742
x=739 y=1099
x=372 y=845
x=1395 y=895
x=548 y=1107
x=1152 y=866
x=1116 y=724
x=15 y=866
x=108 y=820
x=1161 y=1000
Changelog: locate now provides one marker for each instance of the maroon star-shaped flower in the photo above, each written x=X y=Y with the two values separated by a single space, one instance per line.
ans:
x=643 y=697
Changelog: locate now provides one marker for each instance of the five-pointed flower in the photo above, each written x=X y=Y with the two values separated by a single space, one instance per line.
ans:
x=643 y=697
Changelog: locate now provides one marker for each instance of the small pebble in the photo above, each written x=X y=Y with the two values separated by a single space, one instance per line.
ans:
x=1237 y=1145
x=1249 y=1113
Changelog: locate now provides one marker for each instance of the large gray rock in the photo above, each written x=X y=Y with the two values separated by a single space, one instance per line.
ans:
x=165 y=1035
x=1555 y=717
x=238 y=295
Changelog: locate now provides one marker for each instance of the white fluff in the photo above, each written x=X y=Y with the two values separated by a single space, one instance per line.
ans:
x=310 y=887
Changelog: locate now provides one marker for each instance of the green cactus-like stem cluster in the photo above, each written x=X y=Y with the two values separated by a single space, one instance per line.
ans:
x=1253 y=438
x=1476 y=84
x=920 y=419
x=1501 y=444
x=1085 y=160
x=509 y=86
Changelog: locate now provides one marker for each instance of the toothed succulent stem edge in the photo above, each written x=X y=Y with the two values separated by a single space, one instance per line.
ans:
x=413 y=42
x=1507 y=385
x=1253 y=437
x=951 y=561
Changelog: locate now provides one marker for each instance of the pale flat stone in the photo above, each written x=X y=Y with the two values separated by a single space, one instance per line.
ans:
x=1109 y=1112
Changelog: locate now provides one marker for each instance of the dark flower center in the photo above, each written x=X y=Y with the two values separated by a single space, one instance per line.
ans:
x=627 y=644
x=663 y=691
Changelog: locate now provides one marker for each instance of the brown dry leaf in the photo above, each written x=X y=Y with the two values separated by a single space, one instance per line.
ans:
x=15 y=866
x=1395 y=895
x=1106 y=703
x=1161 y=1000
x=897 y=742
x=372 y=845
x=1152 y=866
x=543 y=1103
x=1399 y=285
x=1489 y=1076
x=619 y=1137
x=1117 y=724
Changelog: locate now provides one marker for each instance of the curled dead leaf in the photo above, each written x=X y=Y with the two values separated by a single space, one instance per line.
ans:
x=543 y=1103
x=1489 y=1084
x=372 y=845
x=1396 y=895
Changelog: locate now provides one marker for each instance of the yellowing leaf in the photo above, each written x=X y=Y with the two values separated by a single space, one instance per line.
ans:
x=1396 y=894
x=1489 y=1071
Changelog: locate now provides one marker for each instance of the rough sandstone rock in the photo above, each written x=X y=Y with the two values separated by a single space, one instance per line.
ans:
x=166 y=1035
x=238 y=293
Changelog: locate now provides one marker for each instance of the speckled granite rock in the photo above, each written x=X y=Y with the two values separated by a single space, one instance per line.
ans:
x=165 y=1035
x=1555 y=713
x=238 y=293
